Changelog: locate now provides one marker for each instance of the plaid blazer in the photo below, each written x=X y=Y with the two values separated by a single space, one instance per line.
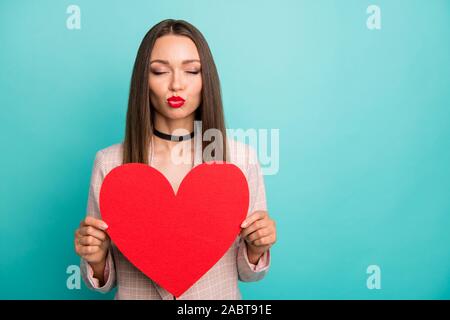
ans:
x=221 y=281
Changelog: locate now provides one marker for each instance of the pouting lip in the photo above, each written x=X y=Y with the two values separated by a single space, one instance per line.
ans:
x=175 y=99
x=175 y=104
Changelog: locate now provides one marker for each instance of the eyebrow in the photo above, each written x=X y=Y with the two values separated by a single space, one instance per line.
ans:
x=167 y=62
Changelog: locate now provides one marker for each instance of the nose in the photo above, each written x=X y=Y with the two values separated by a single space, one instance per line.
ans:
x=177 y=82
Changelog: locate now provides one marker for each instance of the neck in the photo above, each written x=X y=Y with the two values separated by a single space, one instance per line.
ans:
x=177 y=127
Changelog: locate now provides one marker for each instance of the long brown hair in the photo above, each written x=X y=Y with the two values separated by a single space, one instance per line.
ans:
x=139 y=123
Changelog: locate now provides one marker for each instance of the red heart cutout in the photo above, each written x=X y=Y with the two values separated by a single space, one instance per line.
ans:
x=174 y=239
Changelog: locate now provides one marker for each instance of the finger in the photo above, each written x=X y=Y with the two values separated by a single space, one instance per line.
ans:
x=258 y=234
x=253 y=227
x=89 y=241
x=78 y=235
x=97 y=223
x=92 y=231
x=253 y=217
x=259 y=224
x=88 y=250
x=263 y=241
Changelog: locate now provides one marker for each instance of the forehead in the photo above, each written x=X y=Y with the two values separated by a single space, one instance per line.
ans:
x=174 y=48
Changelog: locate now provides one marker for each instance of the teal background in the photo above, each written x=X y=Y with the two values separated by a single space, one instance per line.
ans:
x=364 y=135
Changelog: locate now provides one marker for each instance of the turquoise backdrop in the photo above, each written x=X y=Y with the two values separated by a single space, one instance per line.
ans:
x=364 y=121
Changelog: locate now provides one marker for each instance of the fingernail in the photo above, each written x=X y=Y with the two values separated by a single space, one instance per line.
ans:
x=243 y=225
x=105 y=226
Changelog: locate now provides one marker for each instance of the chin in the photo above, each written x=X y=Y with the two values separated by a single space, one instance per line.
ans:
x=178 y=113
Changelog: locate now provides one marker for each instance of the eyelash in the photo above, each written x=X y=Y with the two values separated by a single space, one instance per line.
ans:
x=160 y=73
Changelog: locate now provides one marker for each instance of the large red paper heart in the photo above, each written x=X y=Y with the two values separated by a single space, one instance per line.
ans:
x=174 y=239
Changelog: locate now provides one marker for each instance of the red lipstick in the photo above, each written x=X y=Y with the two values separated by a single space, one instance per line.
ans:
x=175 y=102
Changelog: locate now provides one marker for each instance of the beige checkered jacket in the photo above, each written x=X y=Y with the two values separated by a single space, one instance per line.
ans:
x=221 y=281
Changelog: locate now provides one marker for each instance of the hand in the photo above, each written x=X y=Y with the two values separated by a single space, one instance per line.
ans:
x=92 y=242
x=259 y=232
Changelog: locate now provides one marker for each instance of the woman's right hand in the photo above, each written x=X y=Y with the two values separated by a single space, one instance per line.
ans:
x=92 y=242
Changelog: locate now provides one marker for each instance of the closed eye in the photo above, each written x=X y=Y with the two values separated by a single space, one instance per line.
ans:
x=158 y=73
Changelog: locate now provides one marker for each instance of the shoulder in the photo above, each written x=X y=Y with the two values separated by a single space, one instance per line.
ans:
x=110 y=157
x=242 y=155
x=245 y=158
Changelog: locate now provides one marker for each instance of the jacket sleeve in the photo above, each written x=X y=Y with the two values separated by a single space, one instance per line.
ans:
x=93 y=209
x=247 y=271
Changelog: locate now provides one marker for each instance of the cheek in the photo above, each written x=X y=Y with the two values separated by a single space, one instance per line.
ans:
x=157 y=88
x=196 y=88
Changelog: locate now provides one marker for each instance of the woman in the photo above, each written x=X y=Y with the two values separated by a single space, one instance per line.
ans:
x=174 y=86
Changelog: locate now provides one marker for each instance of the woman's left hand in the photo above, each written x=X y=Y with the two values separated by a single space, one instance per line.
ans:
x=259 y=232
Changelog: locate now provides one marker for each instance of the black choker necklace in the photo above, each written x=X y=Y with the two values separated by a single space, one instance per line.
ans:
x=170 y=137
